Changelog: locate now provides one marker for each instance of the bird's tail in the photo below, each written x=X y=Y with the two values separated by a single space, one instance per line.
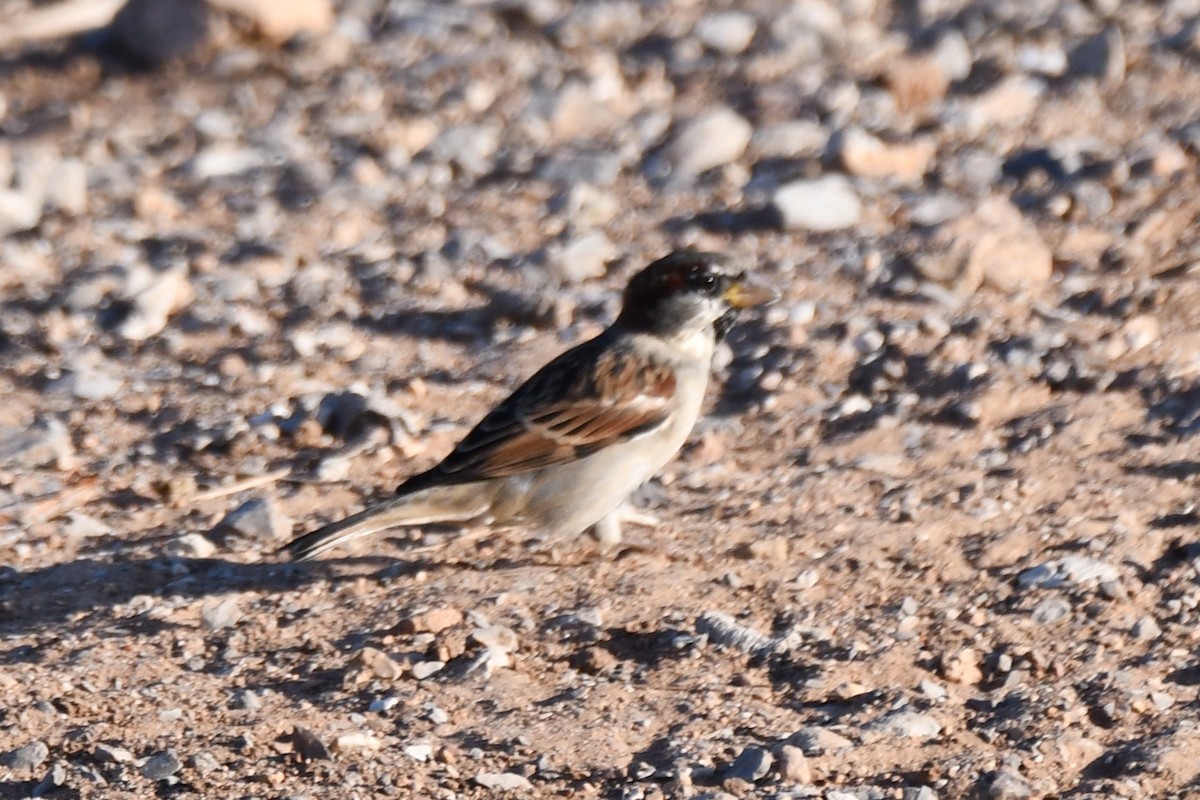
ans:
x=461 y=503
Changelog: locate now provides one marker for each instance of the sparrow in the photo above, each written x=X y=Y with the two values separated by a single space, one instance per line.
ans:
x=565 y=450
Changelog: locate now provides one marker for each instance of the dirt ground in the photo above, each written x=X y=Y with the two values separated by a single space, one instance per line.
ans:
x=935 y=538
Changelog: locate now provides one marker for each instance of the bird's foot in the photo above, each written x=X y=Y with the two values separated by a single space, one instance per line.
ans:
x=608 y=532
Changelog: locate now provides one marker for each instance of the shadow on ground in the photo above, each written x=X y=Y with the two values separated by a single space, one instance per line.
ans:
x=77 y=590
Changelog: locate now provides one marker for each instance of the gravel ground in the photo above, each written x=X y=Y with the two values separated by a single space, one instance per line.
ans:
x=936 y=538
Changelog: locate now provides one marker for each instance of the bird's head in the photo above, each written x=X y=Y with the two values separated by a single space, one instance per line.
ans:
x=688 y=291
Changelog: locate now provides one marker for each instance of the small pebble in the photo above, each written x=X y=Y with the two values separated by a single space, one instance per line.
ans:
x=419 y=752
x=503 y=781
x=427 y=669
x=793 y=765
x=26 y=757
x=727 y=32
x=222 y=613
x=751 y=765
x=714 y=139
x=823 y=204
x=1051 y=610
x=908 y=725
x=161 y=766
x=1146 y=629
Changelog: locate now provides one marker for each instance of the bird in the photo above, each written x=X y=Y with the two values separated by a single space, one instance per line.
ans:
x=566 y=449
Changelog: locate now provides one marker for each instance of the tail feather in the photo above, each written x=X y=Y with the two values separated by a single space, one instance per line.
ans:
x=420 y=508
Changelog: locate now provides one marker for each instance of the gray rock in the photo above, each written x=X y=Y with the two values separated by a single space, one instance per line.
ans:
x=67 y=190
x=161 y=766
x=1051 y=610
x=751 y=765
x=419 y=752
x=918 y=793
x=814 y=740
x=722 y=629
x=1046 y=58
x=154 y=298
x=1006 y=784
x=204 y=762
x=224 y=160
x=381 y=705
x=572 y=168
x=1101 y=56
x=727 y=32
x=1081 y=570
x=936 y=209
x=55 y=777
x=26 y=757
x=708 y=141
x=583 y=258
x=90 y=384
x=469 y=147
x=1075 y=570
x=427 y=669
x=19 y=211
x=219 y=614
x=932 y=690
x=1093 y=197
x=860 y=793
x=496 y=637
x=789 y=139
x=106 y=753
x=823 y=204
x=191 y=545
x=503 y=781
x=46 y=442
x=82 y=526
x=1146 y=629
x=908 y=725
x=258 y=520
x=953 y=55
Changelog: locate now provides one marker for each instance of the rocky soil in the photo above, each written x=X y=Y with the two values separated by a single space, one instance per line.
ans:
x=936 y=538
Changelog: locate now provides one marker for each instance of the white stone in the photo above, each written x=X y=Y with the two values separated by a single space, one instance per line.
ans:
x=823 y=204
x=709 y=141
x=728 y=32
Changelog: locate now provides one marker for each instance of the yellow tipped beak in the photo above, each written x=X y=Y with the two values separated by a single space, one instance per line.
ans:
x=745 y=292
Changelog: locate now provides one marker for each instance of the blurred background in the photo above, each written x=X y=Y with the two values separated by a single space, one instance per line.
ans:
x=260 y=259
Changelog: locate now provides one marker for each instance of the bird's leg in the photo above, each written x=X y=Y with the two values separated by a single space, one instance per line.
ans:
x=607 y=531
x=635 y=516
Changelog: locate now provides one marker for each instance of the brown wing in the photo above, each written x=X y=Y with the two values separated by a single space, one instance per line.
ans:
x=586 y=399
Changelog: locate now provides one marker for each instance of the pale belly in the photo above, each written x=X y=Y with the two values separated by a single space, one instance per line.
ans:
x=569 y=498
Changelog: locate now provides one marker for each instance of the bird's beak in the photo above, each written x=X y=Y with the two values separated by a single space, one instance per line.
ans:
x=746 y=292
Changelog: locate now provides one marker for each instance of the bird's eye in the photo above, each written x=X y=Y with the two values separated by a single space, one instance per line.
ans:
x=704 y=281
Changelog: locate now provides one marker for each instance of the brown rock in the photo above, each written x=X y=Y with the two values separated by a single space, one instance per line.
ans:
x=432 y=621
x=448 y=647
x=773 y=549
x=793 y=765
x=962 y=667
x=917 y=82
x=280 y=20
x=306 y=744
x=594 y=661
x=380 y=664
x=868 y=157
x=996 y=245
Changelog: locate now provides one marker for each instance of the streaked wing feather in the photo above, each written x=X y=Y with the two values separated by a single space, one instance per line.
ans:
x=585 y=400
